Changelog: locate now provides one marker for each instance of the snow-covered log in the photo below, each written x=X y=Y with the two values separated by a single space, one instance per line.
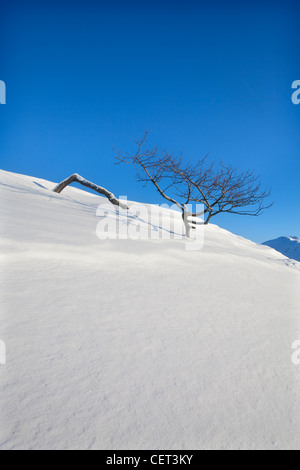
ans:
x=78 y=179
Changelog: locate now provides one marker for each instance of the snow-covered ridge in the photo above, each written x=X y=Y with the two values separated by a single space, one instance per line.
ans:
x=140 y=344
x=72 y=218
x=288 y=246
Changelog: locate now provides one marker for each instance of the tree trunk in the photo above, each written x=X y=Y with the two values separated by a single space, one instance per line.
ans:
x=190 y=221
x=78 y=179
x=188 y=225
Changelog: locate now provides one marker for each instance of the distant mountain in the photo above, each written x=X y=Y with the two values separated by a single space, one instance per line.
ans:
x=288 y=246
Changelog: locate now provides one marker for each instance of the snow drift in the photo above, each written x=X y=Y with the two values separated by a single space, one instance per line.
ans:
x=140 y=344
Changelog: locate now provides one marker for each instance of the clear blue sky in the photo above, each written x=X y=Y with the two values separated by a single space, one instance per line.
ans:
x=213 y=77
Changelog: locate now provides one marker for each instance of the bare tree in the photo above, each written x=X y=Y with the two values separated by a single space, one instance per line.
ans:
x=219 y=187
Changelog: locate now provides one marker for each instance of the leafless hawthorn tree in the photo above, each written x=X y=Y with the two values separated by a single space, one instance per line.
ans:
x=219 y=187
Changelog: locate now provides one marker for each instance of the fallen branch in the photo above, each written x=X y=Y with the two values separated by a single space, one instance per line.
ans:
x=78 y=179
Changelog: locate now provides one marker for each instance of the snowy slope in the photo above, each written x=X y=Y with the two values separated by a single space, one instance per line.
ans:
x=288 y=246
x=140 y=344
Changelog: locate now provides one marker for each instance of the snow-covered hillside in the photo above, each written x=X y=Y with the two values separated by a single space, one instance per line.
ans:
x=288 y=246
x=140 y=344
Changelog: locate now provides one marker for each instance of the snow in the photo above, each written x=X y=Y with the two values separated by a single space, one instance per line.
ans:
x=289 y=246
x=140 y=344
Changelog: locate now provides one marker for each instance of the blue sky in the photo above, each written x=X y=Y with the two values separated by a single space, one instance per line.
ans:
x=203 y=77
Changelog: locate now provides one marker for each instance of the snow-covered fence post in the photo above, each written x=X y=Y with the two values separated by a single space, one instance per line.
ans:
x=78 y=179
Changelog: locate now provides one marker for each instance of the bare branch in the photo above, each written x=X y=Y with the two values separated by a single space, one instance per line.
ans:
x=78 y=179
